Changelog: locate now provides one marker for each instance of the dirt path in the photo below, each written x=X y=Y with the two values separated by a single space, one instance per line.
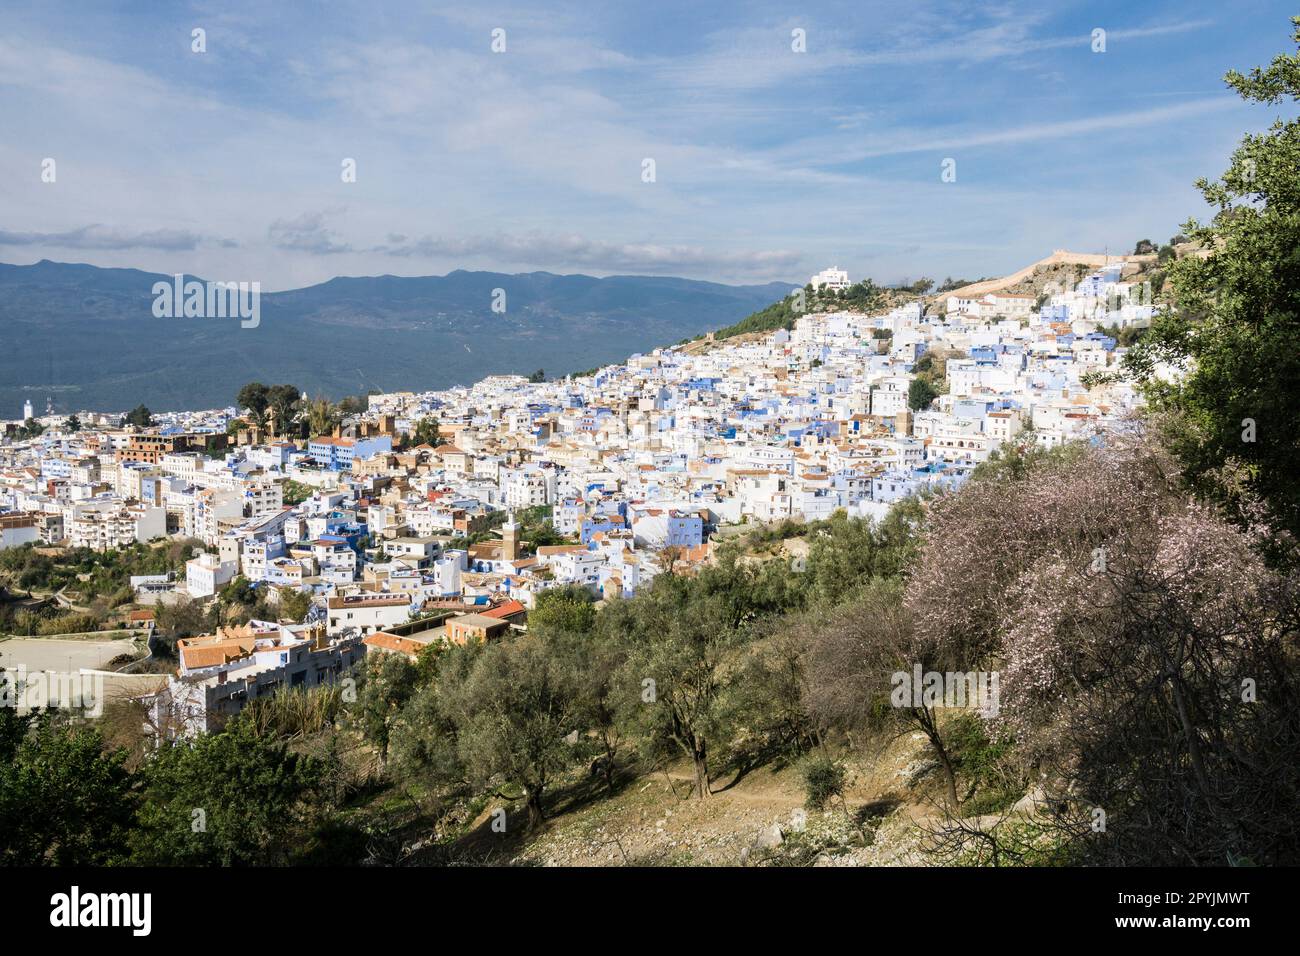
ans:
x=773 y=794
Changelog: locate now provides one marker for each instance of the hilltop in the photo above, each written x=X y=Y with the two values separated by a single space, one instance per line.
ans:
x=1023 y=280
x=1058 y=270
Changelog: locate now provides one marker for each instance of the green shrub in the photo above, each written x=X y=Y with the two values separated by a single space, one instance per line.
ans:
x=823 y=780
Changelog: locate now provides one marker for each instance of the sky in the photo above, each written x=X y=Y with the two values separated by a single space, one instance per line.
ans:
x=769 y=163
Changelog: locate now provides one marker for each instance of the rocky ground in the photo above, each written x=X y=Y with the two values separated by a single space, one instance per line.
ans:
x=758 y=819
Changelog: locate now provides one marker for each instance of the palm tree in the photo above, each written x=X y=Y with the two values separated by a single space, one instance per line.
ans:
x=322 y=415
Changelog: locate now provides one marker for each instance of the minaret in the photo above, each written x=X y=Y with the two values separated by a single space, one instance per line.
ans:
x=510 y=539
x=27 y=410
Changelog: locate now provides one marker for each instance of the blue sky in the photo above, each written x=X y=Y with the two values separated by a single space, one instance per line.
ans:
x=770 y=164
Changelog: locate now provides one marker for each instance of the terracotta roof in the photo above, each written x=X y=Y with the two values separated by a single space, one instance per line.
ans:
x=214 y=651
x=698 y=553
x=391 y=642
x=509 y=609
x=550 y=549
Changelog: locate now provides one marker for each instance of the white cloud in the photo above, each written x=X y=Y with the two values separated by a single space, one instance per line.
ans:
x=97 y=236
x=575 y=251
x=307 y=233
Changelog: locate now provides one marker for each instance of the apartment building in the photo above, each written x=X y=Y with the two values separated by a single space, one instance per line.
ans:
x=207 y=574
x=112 y=524
x=366 y=613
x=222 y=673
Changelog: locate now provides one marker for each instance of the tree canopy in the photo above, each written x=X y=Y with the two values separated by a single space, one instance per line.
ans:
x=1235 y=320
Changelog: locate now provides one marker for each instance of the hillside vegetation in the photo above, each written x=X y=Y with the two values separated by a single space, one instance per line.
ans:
x=863 y=296
x=769 y=685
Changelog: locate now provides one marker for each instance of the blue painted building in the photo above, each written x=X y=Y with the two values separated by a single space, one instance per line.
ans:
x=685 y=530
x=337 y=454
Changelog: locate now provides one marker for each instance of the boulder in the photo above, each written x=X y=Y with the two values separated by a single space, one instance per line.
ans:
x=769 y=838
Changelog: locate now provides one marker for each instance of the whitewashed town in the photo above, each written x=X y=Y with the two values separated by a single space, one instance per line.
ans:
x=404 y=534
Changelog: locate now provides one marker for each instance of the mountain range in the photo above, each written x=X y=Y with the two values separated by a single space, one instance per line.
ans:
x=85 y=337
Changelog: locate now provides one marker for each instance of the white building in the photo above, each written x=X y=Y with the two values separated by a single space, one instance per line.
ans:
x=18 y=529
x=207 y=574
x=367 y=613
x=221 y=673
x=111 y=524
x=833 y=278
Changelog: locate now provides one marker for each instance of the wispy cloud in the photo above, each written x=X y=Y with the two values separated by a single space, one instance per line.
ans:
x=1008 y=41
x=96 y=236
x=762 y=57
x=565 y=251
x=936 y=141
x=307 y=233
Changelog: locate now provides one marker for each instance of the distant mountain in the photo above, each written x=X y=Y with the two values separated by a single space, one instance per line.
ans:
x=87 y=337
